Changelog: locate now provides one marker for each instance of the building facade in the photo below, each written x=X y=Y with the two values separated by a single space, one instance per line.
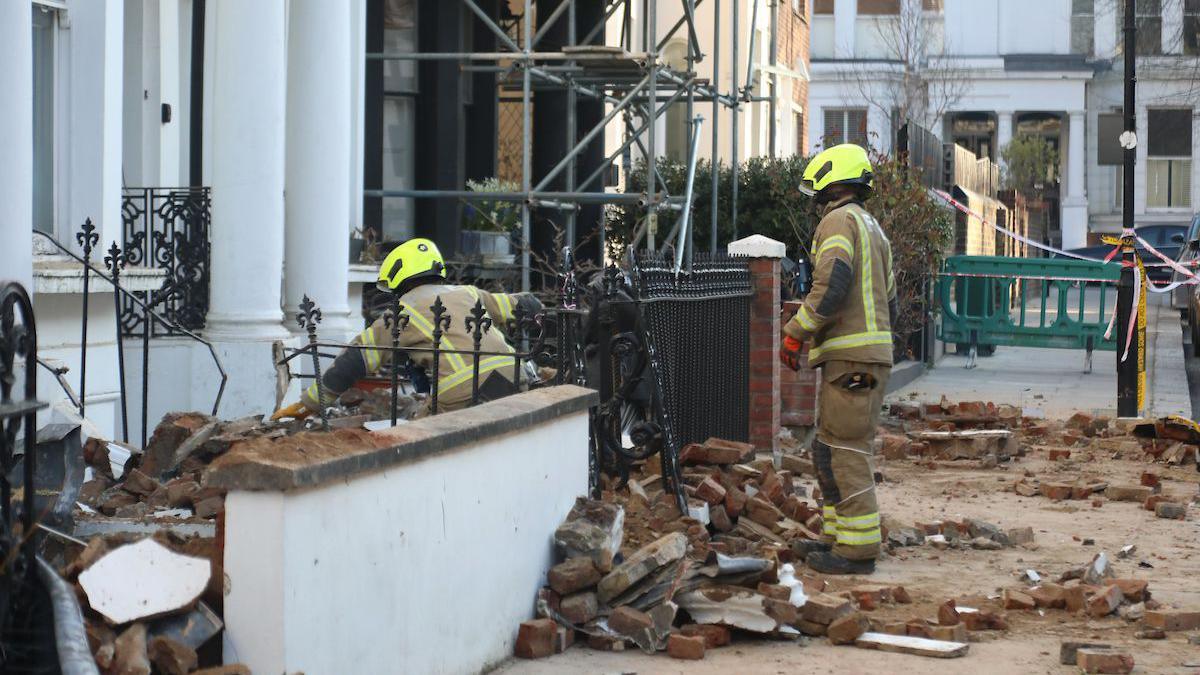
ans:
x=991 y=70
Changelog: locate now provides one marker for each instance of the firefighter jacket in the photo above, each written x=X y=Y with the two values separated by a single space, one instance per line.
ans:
x=455 y=371
x=848 y=315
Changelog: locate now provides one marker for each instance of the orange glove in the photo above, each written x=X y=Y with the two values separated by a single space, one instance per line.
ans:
x=789 y=352
x=295 y=411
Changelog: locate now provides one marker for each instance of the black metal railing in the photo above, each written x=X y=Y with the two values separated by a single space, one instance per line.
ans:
x=144 y=302
x=168 y=228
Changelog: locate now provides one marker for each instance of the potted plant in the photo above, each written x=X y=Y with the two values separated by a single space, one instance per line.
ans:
x=488 y=224
x=364 y=245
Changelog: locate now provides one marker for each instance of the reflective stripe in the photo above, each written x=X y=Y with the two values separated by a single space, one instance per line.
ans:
x=426 y=328
x=849 y=341
x=854 y=538
x=312 y=394
x=805 y=319
x=891 y=276
x=486 y=365
x=868 y=290
x=870 y=520
x=372 y=357
x=474 y=292
x=836 y=241
x=505 y=304
x=829 y=522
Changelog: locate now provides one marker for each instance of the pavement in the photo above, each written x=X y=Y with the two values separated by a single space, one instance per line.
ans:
x=1052 y=382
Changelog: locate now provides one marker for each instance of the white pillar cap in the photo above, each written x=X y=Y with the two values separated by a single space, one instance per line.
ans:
x=757 y=246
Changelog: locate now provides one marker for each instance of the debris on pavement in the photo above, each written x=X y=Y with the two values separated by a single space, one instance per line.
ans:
x=143 y=581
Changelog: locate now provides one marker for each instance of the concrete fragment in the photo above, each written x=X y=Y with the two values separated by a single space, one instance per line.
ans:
x=593 y=529
x=665 y=550
x=681 y=646
x=1172 y=620
x=912 y=645
x=732 y=606
x=131 y=657
x=573 y=575
x=143 y=580
x=535 y=639
x=845 y=630
x=171 y=657
x=1094 y=660
x=1098 y=570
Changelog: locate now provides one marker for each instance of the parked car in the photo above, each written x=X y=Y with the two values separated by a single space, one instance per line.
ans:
x=1166 y=239
x=1181 y=297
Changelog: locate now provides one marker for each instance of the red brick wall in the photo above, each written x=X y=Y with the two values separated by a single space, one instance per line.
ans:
x=764 y=350
x=793 y=44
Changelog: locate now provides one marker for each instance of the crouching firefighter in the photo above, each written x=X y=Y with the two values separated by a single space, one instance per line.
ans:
x=415 y=270
x=847 y=317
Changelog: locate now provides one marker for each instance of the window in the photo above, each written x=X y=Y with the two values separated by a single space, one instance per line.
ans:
x=399 y=118
x=798 y=120
x=1108 y=134
x=1169 y=159
x=44 y=20
x=1149 y=26
x=1191 y=27
x=823 y=6
x=878 y=7
x=845 y=126
x=1083 y=25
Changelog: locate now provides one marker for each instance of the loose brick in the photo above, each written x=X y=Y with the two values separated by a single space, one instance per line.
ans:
x=1075 y=598
x=719 y=518
x=710 y=491
x=1105 y=602
x=1151 y=479
x=573 y=575
x=535 y=639
x=735 y=501
x=1020 y=535
x=1172 y=620
x=895 y=628
x=1014 y=599
x=824 y=608
x=901 y=596
x=1056 y=491
x=1128 y=493
x=1171 y=510
x=1025 y=489
x=579 y=608
x=1134 y=590
x=564 y=637
x=1059 y=454
x=685 y=647
x=847 y=629
x=626 y=620
x=605 y=643
x=1093 y=660
x=775 y=591
x=955 y=633
x=918 y=628
x=1068 y=651
x=1154 y=500
x=1048 y=596
x=714 y=635
x=947 y=614
x=811 y=628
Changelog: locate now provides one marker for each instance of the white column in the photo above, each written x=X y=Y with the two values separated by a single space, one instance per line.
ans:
x=1075 y=208
x=318 y=160
x=16 y=137
x=249 y=81
x=1004 y=131
x=95 y=117
x=170 y=75
x=845 y=16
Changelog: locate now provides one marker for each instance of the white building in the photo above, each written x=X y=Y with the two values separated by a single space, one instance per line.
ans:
x=259 y=101
x=1049 y=67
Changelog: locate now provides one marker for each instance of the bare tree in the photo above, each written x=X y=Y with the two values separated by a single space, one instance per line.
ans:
x=910 y=76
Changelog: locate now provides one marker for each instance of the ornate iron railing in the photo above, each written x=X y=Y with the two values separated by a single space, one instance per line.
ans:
x=168 y=228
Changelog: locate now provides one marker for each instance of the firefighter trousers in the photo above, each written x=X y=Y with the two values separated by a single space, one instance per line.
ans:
x=848 y=408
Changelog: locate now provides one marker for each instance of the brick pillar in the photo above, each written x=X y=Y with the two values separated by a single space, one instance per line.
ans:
x=764 y=255
x=798 y=390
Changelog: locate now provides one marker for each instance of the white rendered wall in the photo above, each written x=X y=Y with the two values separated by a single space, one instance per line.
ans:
x=16 y=133
x=427 y=567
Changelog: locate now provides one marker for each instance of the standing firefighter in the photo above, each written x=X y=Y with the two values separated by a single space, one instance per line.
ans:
x=415 y=270
x=848 y=318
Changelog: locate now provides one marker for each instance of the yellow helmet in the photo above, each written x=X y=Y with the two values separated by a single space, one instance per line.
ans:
x=845 y=164
x=414 y=258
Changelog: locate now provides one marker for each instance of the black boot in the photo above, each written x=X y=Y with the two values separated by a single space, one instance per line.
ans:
x=828 y=563
x=804 y=547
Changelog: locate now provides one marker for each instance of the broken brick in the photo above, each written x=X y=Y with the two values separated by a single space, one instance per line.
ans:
x=1154 y=500
x=1172 y=620
x=1171 y=510
x=845 y=630
x=901 y=596
x=667 y=549
x=1014 y=599
x=1075 y=598
x=172 y=657
x=775 y=591
x=1020 y=535
x=719 y=519
x=1068 y=651
x=955 y=633
x=681 y=646
x=1099 y=660
x=131 y=656
x=947 y=614
x=180 y=491
x=894 y=446
x=1105 y=602
x=605 y=643
x=1048 y=596
x=1059 y=454
x=573 y=575
x=1056 y=491
x=782 y=611
x=1025 y=489
x=535 y=639
x=564 y=637
x=579 y=608
x=735 y=501
x=714 y=635
x=919 y=628
x=1150 y=479
x=824 y=608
